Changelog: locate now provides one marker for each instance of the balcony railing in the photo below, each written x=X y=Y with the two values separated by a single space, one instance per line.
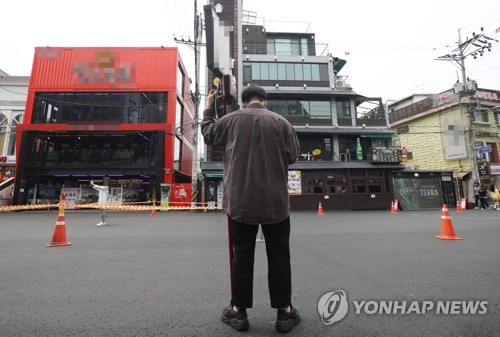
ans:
x=387 y=155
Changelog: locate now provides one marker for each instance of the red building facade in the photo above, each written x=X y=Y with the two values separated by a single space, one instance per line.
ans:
x=120 y=113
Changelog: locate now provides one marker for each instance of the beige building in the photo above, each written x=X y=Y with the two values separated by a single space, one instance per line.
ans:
x=434 y=134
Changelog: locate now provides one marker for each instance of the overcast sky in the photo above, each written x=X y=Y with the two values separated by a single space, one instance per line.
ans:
x=391 y=45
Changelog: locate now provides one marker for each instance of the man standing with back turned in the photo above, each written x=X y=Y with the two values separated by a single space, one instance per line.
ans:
x=258 y=146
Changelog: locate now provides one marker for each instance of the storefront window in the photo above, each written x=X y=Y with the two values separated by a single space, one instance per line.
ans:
x=315 y=148
x=313 y=182
x=100 y=108
x=336 y=182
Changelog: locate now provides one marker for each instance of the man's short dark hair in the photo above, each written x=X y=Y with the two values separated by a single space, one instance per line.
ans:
x=253 y=91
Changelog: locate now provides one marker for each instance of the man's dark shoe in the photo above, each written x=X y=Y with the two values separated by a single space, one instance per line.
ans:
x=286 y=321
x=238 y=320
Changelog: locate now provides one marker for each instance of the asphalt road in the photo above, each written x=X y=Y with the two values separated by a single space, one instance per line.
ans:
x=168 y=275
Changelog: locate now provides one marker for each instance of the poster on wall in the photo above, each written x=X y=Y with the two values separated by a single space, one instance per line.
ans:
x=418 y=193
x=181 y=195
x=294 y=183
x=73 y=196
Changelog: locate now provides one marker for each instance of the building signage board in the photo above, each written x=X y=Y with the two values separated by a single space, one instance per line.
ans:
x=453 y=137
x=484 y=149
x=294 y=183
x=495 y=169
x=418 y=193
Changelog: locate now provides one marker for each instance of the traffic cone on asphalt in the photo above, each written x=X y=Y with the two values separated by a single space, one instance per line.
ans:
x=153 y=212
x=393 y=208
x=447 y=231
x=320 y=209
x=59 y=236
x=459 y=207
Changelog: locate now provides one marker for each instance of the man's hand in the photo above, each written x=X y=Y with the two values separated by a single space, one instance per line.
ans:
x=211 y=99
x=92 y=183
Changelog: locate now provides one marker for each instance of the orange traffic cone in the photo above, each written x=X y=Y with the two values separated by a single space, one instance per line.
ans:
x=153 y=212
x=393 y=208
x=447 y=231
x=59 y=236
x=320 y=209
x=459 y=207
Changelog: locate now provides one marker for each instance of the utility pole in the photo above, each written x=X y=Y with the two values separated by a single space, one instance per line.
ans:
x=475 y=46
x=197 y=40
x=195 y=97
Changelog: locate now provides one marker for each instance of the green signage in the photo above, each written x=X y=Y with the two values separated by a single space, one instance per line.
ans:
x=418 y=193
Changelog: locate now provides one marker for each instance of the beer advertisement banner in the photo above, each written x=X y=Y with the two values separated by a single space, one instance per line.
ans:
x=418 y=193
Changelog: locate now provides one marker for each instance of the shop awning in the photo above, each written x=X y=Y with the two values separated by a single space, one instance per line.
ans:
x=460 y=175
x=378 y=136
x=214 y=175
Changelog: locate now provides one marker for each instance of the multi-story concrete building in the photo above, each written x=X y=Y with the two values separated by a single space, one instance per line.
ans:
x=448 y=131
x=121 y=113
x=347 y=157
x=13 y=95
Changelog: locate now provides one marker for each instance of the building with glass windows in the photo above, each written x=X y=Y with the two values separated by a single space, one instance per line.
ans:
x=347 y=155
x=119 y=115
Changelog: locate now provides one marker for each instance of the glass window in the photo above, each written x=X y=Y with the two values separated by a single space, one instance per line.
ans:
x=255 y=71
x=336 y=182
x=177 y=152
x=305 y=108
x=323 y=72
x=3 y=131
x=247 y=73
x=320 y=109
x=283 y=47
x=280 y=107
x=264 y=71
x=11 y=149
x=295 y=44
x=271 y=50
x=290 y=72
x=100 y=108
x=343 y=109
x=307 y=72
x=273 y=71
x=313 y=182
x=299 y=75
x=358 y=185
x=294 y=108
x=180 y=82
x=497 y=117
x=303 y=44
x=315 y=72
x=480 y=116
x=281 y=72
x=178 y=118
x=375 y=185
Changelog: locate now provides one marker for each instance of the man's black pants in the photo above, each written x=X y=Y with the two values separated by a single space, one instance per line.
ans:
x=277 y=238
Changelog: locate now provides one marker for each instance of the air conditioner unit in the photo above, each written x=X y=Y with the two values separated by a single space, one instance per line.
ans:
x=340 y=84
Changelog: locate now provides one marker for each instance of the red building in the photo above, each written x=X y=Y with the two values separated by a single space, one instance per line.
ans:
x=121 y=113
